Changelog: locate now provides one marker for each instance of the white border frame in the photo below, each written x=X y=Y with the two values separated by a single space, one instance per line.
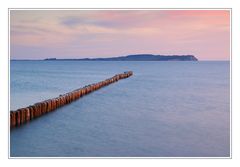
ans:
x=228 y=9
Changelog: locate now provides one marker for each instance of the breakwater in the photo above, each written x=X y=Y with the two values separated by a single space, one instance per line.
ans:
x=24 y=115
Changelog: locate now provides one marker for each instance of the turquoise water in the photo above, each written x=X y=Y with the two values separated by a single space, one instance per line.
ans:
x=166 y=109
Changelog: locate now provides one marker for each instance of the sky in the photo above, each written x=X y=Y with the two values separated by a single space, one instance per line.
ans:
x=40 y=34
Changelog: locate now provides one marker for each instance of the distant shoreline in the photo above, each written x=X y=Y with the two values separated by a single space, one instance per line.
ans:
x=136 y=57
x=106 y=61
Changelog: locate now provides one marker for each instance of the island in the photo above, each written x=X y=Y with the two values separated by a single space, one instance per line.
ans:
x=137 y=57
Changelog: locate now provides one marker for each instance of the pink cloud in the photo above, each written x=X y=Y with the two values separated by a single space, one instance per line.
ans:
x=204 y=33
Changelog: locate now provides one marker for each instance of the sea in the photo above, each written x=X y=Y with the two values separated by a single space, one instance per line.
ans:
x=166 y=109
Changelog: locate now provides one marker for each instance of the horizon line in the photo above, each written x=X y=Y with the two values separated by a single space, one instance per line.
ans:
x=76 y=59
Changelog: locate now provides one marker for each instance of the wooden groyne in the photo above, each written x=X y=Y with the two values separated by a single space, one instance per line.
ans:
x=23 y=115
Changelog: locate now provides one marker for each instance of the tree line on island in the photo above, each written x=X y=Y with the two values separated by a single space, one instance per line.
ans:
x=138 y=57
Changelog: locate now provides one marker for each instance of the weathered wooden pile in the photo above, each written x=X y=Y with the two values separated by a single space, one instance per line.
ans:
x=26 y=114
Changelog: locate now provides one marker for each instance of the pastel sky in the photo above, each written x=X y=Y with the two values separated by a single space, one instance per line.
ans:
x=39 y=34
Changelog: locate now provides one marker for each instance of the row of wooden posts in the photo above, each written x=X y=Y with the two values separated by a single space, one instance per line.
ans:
x=23 y=115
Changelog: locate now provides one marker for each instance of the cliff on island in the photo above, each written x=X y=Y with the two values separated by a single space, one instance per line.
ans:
x=138 y=57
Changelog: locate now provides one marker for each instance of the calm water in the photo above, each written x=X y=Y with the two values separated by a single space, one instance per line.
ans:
x=165 y=109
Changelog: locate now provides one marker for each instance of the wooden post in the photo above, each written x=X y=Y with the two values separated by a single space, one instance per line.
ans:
x=22 y=115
